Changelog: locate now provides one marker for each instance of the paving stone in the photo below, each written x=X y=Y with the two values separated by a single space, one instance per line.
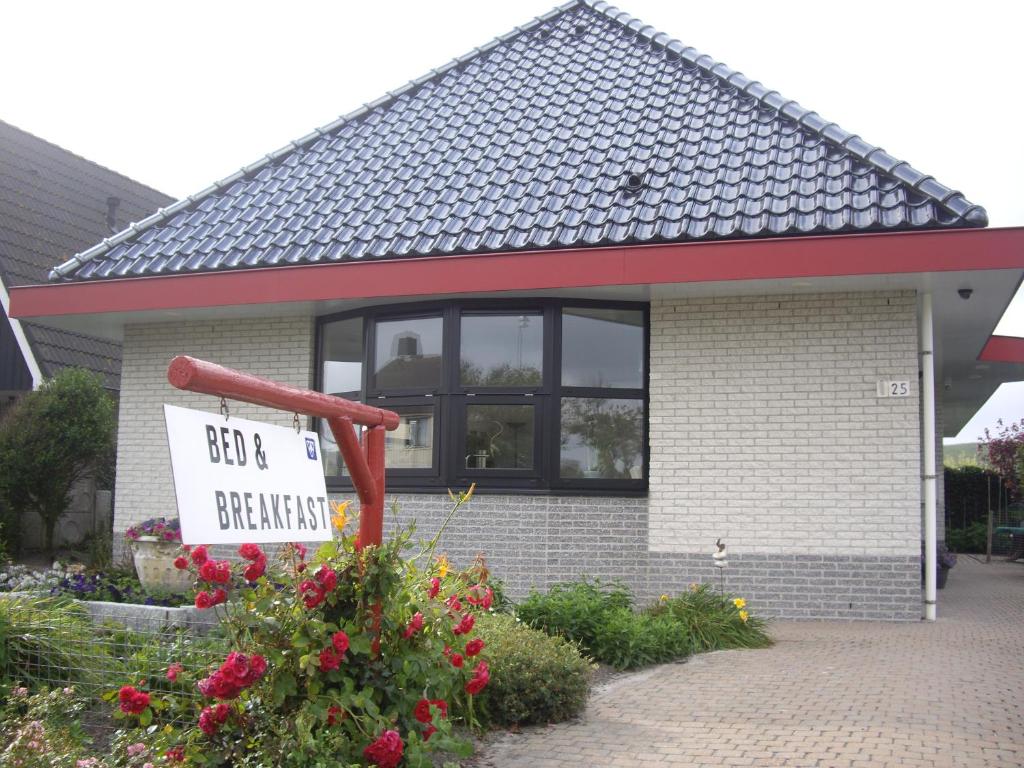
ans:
x=829 y=693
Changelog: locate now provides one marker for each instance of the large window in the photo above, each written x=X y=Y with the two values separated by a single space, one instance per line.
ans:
x=532 y=396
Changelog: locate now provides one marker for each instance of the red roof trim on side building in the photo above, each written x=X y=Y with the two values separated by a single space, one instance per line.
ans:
x=1003 y=349
x=760 y=259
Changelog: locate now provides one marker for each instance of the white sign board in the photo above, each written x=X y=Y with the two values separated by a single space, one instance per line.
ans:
x=894 y=389
x=238 y=481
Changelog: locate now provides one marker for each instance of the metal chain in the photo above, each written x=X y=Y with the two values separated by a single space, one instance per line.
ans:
x=224 y=409
x=295 y=423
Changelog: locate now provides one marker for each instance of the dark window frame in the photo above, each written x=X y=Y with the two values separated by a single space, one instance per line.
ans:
x=450 y=399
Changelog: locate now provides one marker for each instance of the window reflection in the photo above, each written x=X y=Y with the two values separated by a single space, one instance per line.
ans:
x=602 y=438
x=501 y=350
x=602 y=348
x=499 y=437
x=411 y=446
x=341 y=351
x=408 y=353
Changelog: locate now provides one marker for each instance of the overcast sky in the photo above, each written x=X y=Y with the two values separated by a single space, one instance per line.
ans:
x=178 y=95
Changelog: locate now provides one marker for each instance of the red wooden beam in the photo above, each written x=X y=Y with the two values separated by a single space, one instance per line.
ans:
x=365 y=464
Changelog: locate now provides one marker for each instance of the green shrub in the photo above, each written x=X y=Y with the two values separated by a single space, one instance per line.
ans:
x=600 y=618
x=713 y=622
x=973 y=538
x=44 y=729
x=535 y=678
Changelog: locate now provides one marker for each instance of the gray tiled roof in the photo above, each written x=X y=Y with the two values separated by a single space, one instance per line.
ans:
x=54 y=203
x=582 y=128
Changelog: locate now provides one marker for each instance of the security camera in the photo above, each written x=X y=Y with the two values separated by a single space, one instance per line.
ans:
x=965 y=293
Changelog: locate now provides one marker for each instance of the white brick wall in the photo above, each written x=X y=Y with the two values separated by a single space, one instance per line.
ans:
x=277 y=348
x=766 y=429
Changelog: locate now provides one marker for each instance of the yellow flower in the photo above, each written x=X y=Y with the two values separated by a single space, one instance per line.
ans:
x=694 y=587
x=664 y=598
x=739 y=602
x=744 y=615
x=442 y=566
x=469 y=494
x=339 y=515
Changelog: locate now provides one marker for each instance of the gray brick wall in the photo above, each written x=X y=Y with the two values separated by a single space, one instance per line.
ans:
x=278 y=348
x=765 y=430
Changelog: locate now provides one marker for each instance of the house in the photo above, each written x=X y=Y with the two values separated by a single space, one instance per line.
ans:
x=52 y=203
x=641 y=300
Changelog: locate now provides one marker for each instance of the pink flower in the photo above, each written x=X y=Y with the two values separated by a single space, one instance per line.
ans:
x=135 y=749
x=456 y=659
x=473 y=647
x=435 y=587
x=132 y=702
x=173 y=671
x=415 y=625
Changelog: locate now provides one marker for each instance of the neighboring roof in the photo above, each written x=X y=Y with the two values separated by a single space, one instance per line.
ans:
x=52 y=204
x=582 y=128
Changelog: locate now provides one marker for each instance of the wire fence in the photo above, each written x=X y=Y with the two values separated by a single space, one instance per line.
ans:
x=56 y=642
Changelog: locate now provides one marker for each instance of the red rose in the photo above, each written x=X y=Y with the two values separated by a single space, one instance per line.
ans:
x=328 y=579
x=300 y=549
x=132 y=701
x=329 y=659
x=386 y=751
x=456 y=659
x=257 y=666
x=204 y=600
x=200 y=555
x=223 y=573
x=175 y=755
x=466 y=625
x=422 y=711
x=453 y=603
x=181 y=563
x=173 y=671
x=250 y=551
x=208 y=570
x=473 y=647
x=312 y=594
x=206 y=722
x=220 y=713
x=429 y=731
x=237 y=665
x=219 y=596
x=415 y=625
x=334 y=715
x=254 y=570
x=435 y=587
x=481 y=676
x=340 y=641
x=300 y=567
x=480 y=596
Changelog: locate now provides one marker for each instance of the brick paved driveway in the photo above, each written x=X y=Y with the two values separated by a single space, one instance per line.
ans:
x=828 y=694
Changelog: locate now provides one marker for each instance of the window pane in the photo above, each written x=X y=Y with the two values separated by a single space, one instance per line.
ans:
x=411 y=446
x=341 y=350
x=408 y=353
x=602 y=438
x=502 y=350
x=499 y=437
x=334 y=465
x=602 y=348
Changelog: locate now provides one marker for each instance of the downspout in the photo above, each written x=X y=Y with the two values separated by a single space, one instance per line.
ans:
x=928 y=465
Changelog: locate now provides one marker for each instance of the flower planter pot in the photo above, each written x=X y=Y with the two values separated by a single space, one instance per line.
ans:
x=154 y=564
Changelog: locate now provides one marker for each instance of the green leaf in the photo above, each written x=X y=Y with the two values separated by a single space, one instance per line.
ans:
x=146 y=717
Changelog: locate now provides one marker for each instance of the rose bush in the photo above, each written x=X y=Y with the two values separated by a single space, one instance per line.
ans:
x=347 y=656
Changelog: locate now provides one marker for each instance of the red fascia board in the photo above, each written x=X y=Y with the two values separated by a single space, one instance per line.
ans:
x=725 y=260
x=1003 y=349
